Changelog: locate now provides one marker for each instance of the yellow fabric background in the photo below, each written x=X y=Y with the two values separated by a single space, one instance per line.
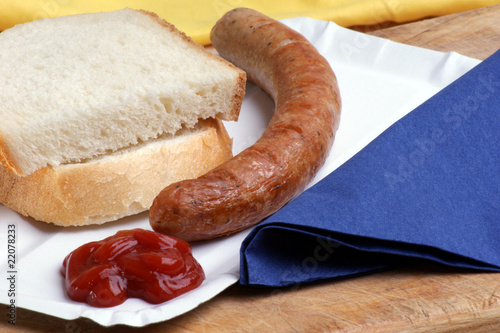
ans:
x=196 y=17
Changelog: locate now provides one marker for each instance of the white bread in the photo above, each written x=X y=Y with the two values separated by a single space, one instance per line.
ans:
x=117 y=184
x=78 y=86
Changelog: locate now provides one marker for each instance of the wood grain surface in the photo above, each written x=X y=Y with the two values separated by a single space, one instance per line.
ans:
x=475 y=33
x=424 y=298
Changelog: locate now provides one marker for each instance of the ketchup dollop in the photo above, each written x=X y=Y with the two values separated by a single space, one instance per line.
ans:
x=133 y=263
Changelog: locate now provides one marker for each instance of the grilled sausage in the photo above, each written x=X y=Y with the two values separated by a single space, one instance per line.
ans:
x=263 y=178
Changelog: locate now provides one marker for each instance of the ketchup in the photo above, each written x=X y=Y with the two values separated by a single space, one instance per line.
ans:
x=133 y=263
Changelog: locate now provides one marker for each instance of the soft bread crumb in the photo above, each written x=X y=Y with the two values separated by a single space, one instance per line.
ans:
x=78 y=86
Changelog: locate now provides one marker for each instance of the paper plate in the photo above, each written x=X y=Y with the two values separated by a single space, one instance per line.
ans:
x=380 y=81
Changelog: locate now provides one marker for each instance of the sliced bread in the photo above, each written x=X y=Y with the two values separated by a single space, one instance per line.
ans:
x=79 y=86
x=117 y=184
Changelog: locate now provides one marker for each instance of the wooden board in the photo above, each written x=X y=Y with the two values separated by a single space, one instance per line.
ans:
x=475 y=33
x=424 y=298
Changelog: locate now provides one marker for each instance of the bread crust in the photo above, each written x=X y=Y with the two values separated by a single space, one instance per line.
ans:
x=5 y=158
x=119 y=185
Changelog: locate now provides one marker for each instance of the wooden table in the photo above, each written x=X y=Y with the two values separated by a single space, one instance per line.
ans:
x=424 y=298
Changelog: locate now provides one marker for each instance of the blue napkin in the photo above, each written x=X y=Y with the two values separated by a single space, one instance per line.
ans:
x=428 y=188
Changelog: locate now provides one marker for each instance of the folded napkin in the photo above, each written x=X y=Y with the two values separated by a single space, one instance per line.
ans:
x=197 y=17
x=427 y=188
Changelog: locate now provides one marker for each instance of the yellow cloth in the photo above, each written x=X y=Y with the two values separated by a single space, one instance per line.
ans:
x=196 y=17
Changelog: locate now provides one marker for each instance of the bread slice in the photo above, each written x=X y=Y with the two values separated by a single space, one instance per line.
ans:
x=118 y=184
x=78 y=86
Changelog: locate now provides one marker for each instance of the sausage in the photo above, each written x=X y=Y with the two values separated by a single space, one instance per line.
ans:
x=263 y=178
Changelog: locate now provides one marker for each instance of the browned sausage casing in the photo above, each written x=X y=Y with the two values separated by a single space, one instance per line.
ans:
x=263 y=178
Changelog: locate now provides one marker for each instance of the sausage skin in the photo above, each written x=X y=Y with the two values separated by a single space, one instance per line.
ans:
x=263 y=178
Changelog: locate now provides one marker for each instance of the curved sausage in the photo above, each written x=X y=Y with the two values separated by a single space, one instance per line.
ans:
x=263 y=178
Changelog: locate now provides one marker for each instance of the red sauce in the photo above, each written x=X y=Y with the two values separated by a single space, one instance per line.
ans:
x=133 y=263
